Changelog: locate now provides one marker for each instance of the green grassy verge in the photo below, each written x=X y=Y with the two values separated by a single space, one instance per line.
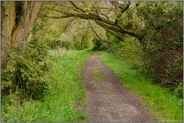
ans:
x=64 y=101
x=98 y=75
x=160 y=102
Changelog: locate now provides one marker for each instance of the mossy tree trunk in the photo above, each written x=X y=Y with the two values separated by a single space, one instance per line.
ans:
x=17 y=20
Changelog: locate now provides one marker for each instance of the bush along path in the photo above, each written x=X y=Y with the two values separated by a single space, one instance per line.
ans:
x=107 y=99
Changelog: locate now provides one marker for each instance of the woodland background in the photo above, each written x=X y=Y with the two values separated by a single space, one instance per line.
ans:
x=147 y=35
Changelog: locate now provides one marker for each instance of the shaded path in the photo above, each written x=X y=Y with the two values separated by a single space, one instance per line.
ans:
x=109 y=100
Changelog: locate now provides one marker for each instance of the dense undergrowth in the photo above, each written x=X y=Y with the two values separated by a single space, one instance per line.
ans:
x=25 y=77
x=161 y=102
x=60 y=101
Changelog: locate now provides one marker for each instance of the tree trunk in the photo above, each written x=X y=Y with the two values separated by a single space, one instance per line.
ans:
x=17 y=20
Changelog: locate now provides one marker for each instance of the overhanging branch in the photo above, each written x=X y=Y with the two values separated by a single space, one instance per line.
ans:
x=95 y=32
x=103 y=22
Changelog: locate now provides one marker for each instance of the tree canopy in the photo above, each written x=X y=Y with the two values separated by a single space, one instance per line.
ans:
x=147 y=34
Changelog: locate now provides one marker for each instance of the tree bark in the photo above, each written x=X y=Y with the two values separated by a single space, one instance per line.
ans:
x=17 y=20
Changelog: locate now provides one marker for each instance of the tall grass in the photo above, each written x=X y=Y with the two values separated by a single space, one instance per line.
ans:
x=64 y=101
x=160 y=102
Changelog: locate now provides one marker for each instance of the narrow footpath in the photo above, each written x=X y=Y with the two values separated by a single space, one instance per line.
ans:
x=109 y=100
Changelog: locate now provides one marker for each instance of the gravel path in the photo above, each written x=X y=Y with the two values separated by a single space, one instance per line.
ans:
x=109 y=100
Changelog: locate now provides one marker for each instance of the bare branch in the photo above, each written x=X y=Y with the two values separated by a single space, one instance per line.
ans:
x=77 y=7
x=95 y=32
x=124 y=7
x=69 y=22
x=55 y=17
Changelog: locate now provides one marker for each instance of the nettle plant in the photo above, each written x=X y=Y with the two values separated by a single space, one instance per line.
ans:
x=26 y=74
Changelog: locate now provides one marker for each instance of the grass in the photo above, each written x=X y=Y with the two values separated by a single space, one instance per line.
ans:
x=159 y=101
x=65 y=100
x=98 y=75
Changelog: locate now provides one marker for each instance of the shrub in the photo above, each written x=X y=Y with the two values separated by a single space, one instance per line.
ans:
x=25 y=75
x=163 y=43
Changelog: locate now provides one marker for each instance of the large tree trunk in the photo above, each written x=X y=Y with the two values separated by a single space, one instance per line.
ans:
x=17 y=20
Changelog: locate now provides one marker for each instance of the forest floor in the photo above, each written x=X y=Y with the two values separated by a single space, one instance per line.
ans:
x=107 y=99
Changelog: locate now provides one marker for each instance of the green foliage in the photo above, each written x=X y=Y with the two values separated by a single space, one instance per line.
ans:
x=69 y=33
x=128 y=50
x=163 y=43
x=179 y=90
x=160 y=102
x=56 y=43
x=26 y=72
x=81 y=42
x=88 y=41
x=97 y=45
x=101 y=45
x=63 y=102
x=70 y=45
x=77 y=44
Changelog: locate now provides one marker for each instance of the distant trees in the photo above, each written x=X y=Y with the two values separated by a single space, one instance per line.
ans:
x=70 y=33
x=157 y=26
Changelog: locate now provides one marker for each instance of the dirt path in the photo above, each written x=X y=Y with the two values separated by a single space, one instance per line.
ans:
x=109 y=100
